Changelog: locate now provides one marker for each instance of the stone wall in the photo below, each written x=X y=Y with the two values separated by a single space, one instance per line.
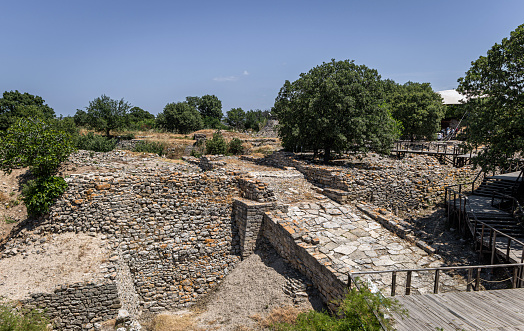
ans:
x=302 y=256
x=415 y=182
x=248 y=217
x=173 y=229
x=78 y=306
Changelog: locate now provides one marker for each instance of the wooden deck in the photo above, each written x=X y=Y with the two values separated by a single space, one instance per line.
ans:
x=485 y=310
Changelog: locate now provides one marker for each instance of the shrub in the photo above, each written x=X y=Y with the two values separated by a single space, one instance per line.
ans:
x=35 y=143
x=235 y=146
x=355 y=312
x=97 y=143
x=39 y=194
x=216 y=145
x=127 y=136
x=150 y=147
x=21 y=319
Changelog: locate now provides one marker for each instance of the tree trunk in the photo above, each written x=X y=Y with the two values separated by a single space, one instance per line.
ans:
x=327 y=153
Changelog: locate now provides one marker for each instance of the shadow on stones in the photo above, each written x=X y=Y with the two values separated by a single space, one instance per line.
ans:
x=299 y=287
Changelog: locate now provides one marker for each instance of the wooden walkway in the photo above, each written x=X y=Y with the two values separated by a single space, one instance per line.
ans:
x=484 y=310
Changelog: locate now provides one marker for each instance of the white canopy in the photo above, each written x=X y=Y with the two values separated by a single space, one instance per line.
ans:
x=451 y=97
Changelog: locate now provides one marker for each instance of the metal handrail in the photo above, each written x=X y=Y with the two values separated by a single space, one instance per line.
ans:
x=437 y=270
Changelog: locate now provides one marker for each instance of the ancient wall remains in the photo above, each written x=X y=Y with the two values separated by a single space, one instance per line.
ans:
x=78 y=306
x=414 y=182
x=173 y=229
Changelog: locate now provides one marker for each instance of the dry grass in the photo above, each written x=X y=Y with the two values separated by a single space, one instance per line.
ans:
x=172 y=322
x=3 y=197
x=278 y=315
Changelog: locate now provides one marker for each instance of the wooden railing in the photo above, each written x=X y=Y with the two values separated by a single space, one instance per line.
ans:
x=473 y=279
x=488 y=235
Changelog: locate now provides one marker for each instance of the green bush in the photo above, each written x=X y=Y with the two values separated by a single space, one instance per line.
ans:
x=150 y=147
x=127 y=136
x=216 y=145
x=355 y=312
x=39 y=194
x=97 y=143
x=35 y=143
x=235 y=146
x=21 y=319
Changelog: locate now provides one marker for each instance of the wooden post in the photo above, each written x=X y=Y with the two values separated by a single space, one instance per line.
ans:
x=349 y=280
x=514 y=280
x=437 y=277
x=393 y=283
x=470 y=277
x=482 y=241
x=493 y=247
x=508 y=249
x=477 y=280
x=408 y=282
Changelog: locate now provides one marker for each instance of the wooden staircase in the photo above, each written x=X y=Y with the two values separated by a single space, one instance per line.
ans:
x=491 y=203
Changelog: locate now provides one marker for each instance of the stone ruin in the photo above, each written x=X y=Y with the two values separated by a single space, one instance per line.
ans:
x=175 y=232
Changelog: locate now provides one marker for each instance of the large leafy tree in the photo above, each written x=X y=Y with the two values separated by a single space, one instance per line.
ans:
x=210 y=108
x=336 y=106
x=255 y=119
x=417 y=107
x=41 y=146
x=15 y=105
x=494 y=87
x=236 y=118
x=34 y=143
x=106 y=114
x=180 y=117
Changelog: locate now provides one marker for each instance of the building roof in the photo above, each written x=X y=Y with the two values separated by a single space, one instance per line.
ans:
x=451 y=97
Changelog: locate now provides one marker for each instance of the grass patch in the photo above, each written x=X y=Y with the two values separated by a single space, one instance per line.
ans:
x=14 y=318
x=9 y=220
x=155 y=147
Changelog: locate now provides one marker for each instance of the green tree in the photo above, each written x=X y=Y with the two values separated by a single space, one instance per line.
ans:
x=106 y=114
x=180 y=117
x=256 y=119
x=336 y=106
x=137 y=119
x=81 y=118
x=495 y=101
x=217 y=144
x=210 y=108
x=15 y=105
x=34 y=143
x=38 y=144
x=236 y=118
x=417 y=107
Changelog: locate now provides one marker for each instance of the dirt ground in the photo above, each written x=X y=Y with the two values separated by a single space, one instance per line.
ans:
x=12 y=208
x=254 y=289
x=47 y=262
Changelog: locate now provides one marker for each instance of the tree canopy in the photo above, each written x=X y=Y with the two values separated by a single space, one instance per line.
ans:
x=335 y=106
x=417 y=107
x=106 y=114
x=494 y=87
x=236 y=118
x=35 y=143
x=180 y=117
x=15 y=105
x=209 y=107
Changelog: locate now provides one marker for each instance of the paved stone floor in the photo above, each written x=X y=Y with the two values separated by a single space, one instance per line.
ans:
x=354 y=242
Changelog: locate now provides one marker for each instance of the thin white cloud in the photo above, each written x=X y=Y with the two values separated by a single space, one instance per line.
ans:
x=230 y=78
x=225 y=79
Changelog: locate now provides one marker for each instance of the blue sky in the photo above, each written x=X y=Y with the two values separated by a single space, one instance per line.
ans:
x=154 y=52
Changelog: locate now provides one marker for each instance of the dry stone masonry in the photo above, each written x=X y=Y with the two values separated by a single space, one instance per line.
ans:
x=175 y=231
